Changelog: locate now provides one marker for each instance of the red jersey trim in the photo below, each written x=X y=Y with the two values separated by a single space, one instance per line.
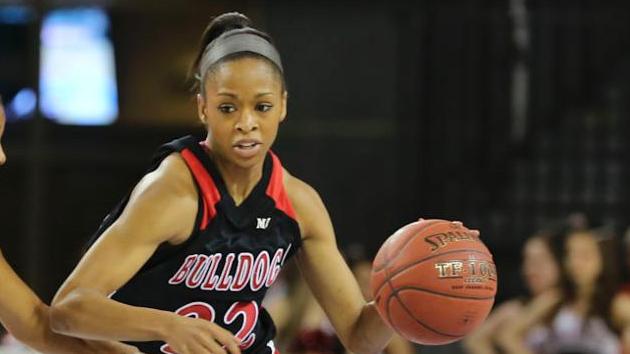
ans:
x=209 y=191
x=276 y=191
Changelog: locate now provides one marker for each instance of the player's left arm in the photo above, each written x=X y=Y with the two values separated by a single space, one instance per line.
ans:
x=26 y=317
x=357 y=323
x=621 y=318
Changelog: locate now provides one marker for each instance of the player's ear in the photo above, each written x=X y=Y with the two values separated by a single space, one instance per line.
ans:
x=283 y=115
x=201 y=108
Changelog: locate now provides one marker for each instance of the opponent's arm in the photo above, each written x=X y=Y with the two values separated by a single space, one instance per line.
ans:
x=26 y=317
x=358 y=324
x=162 y=208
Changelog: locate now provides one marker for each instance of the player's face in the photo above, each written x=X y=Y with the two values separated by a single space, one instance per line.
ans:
x=583 y=259
x=3 y=157
x=243 y=105
x=539 y=266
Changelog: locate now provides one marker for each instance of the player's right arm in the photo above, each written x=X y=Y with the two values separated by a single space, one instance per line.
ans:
x=162 y=208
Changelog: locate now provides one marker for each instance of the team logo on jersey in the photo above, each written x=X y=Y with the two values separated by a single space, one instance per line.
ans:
x=262 y=223
x=231 y=271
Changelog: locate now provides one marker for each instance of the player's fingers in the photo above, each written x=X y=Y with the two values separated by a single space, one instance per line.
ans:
x=201 y=342
x=475 y=232
x=457 y=223
x=184 y=349
x=232 y=348
x=229 y=341
x=205 y=345
x=215 y=348
x=225 y=335
x=203 y=348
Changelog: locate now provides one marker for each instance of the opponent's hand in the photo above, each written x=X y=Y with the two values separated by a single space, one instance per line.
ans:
x=197 y=336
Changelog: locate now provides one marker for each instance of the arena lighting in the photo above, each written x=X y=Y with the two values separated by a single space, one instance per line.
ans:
x=23 y=104
x=16 y=15
x=77 y=68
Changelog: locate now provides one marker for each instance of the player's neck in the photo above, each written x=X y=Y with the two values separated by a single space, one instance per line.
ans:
x=239 y=181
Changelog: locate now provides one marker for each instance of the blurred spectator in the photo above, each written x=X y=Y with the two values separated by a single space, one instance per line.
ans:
x=582 y=315
x=541 y=272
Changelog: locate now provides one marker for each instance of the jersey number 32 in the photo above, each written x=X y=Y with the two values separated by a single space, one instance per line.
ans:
x=248 y=310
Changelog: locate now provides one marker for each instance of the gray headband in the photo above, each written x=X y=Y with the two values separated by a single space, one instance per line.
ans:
x=237 y=41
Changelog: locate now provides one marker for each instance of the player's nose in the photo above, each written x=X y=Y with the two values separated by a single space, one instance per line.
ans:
x=247 y=122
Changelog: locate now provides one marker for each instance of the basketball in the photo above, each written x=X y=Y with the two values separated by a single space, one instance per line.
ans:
x=433 y=281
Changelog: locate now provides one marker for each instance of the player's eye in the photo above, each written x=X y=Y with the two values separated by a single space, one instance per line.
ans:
x=227 y=108
x=264 y=107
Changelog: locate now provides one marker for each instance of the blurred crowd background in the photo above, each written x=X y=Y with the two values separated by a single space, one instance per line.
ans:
x=510 y=115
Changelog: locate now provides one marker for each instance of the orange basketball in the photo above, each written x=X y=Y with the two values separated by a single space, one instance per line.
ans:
x=434 y=281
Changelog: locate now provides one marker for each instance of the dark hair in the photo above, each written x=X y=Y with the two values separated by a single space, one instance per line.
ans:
x=555 y=244
x=556 y=233
x=548 y=236
x=606 y=283
x=218 y=25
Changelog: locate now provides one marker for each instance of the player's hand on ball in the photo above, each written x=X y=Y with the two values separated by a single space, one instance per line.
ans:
x=197 y=336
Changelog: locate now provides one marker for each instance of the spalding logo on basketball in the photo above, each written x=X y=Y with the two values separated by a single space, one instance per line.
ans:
x=434 y=281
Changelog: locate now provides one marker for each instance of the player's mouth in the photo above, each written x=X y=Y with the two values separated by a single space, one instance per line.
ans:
x=247 y=148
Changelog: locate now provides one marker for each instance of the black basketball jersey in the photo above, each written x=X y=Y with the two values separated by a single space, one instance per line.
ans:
x=222 y=272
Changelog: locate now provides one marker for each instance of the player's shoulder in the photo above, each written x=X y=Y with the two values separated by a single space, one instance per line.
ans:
x=309 y=208
x=167 y=190
x=301 y=194
x=171 y=178
x=166 y=197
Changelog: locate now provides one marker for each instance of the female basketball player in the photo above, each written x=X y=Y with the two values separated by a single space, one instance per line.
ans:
x=584 y=316
x=25 y=316
x=206 y=231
